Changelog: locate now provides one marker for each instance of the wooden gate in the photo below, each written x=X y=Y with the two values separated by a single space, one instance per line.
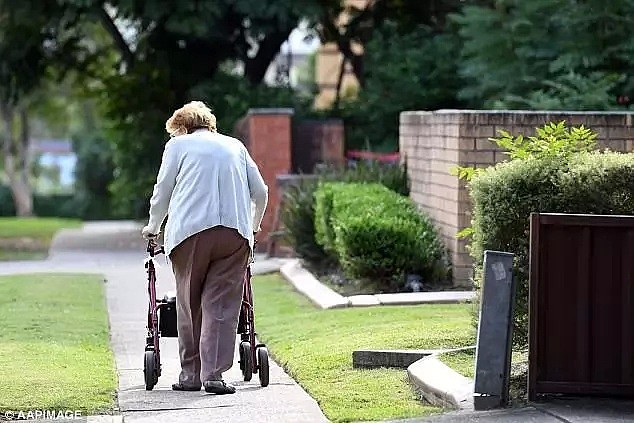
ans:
x=581 y=305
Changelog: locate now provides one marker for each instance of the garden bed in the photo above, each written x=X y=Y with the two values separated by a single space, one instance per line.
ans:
x=315 y=346
x=356 y=229
x=335 y=279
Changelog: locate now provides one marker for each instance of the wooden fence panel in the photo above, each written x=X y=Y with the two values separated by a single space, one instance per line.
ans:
x=581 y=305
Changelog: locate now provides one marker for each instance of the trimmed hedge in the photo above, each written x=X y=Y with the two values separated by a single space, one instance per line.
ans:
x=298 y=213
x=375 y=233
x=505 y=195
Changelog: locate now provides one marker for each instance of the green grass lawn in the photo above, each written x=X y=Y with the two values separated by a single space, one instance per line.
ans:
x=315 y=346
x=54 y=348
x=464 y=363
x=34 y=227
x=29 y=238
x=461 y=361
x=7 y=254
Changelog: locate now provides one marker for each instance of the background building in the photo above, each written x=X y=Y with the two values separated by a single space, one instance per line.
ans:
x=54 y=166
x=328 y=66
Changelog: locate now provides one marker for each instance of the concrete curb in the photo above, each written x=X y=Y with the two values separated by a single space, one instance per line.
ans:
x=306 y=283
x=402 y=359
x=440 y=385
x=265 y=265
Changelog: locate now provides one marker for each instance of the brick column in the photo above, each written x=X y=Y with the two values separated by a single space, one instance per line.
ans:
x=269 y=143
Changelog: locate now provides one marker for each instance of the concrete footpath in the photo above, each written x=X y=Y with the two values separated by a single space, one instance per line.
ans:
x=566 y=410
x=115 y=251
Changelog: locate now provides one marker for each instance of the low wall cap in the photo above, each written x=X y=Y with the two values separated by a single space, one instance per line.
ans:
x=519 y=112
x=272 y=111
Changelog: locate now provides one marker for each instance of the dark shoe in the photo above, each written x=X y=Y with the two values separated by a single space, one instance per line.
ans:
x=180 y=387
x=218 y=387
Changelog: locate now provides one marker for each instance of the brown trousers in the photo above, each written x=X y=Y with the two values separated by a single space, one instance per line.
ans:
x=209 y=268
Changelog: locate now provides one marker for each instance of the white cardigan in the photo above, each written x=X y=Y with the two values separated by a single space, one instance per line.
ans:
x=206 y=179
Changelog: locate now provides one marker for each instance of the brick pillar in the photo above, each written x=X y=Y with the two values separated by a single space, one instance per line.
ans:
x=269 y=134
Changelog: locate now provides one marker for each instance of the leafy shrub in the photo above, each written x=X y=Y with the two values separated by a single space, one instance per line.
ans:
x=376 y=233
x=43 y=205
x=555 y=179
x=324 y=231
x=553 y=140
x=56 y=206
x=391 y=176
x=298 y=214
x=7 y=208
x=94 y=173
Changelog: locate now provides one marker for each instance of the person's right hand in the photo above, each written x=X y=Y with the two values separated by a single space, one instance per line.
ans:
x=147 y=234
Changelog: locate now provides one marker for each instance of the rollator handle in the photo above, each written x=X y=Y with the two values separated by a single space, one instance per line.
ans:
x=154 y=249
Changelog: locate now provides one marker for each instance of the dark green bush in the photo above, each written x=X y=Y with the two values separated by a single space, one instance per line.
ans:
x=94 y=173
x=58 y=205
x=323 y=221
x=298 y=214
x=504 y=196
x=376 y=233
x=391 y=176
x=7 y=208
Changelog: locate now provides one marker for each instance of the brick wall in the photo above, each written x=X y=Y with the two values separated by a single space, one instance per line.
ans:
x=269 y=133
x=273 y=144
x=332 y=142
x=433 y=143
x=317 y=141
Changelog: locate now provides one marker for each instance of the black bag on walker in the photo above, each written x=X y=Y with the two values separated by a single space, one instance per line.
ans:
x=167 y=316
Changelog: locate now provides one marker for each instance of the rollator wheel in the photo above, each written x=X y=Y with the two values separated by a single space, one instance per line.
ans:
x=150 y=370
x=263 y=366
x=241 y=361
x=246 y=364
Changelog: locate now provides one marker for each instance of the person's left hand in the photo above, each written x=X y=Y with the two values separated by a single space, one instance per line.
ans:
x=148 y=233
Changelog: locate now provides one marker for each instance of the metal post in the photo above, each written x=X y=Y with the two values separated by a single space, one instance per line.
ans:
x=493 y=352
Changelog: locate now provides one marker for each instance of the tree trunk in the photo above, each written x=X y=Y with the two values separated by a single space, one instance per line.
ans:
x=356 y=60
x=256 y=67
x=16 y=160
x=342 y=70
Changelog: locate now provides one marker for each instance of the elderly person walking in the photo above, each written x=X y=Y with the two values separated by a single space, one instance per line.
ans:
x=206 y=185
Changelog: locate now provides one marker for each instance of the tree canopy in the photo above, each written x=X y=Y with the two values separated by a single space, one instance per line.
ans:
x=137 y=60
x=548 y=54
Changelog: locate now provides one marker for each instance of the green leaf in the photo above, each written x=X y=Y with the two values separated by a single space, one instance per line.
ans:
x=465 y=233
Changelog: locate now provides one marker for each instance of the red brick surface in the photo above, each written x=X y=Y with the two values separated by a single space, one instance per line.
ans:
x=332 y=149
x=270 y=146
x=433 y=143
